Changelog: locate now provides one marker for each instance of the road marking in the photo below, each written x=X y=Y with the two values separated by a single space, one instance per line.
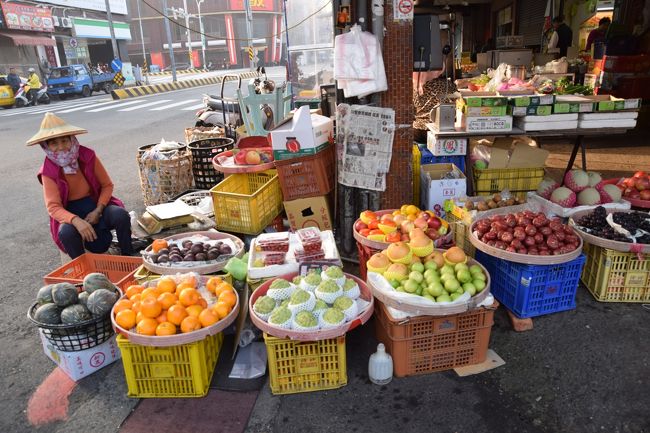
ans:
x=49 y=402
x=114 y=105
x=175 y=104
x=194 y=107
x=146 y=105
x=86 y=106
x=39 y=109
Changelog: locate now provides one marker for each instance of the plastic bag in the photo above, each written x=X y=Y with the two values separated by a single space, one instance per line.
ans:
x=250 y=362
x=163 y=150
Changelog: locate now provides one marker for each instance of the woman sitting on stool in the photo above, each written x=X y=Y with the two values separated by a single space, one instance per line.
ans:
x=78 y=193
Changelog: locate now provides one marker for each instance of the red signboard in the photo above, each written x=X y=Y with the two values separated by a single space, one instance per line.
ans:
x=22 y=17
x=256 y=5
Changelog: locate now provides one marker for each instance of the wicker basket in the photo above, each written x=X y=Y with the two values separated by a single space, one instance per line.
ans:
x=163 y=179
x=205 y=176
x=202 y=132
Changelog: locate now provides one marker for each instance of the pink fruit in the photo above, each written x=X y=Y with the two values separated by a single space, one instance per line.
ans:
x=610 y=193
x=576 y=180
x=564 y=197
x=588 y=197
x=546 y=188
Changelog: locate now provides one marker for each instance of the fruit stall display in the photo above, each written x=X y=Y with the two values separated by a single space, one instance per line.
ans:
x=305 y=317
x=581 y=190
x=636 y=189
x=617 y=244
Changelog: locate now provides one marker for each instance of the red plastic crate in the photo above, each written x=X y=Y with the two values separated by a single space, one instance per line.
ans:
x=116 y=268
x=307 y=176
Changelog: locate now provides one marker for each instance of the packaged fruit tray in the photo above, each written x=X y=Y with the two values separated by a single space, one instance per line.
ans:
x=230 y=246
x=361 y=317
x=230 y=161
x=549 y=207
x=615 y=245
x=202 y=285
x=370 y=221
x=259 y=265
x=418 y=305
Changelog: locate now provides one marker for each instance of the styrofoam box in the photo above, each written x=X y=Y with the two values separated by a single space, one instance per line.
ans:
x=440 y=146
x=548 y=123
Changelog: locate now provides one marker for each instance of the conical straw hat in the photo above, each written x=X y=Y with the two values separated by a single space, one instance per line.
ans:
x=53 y=126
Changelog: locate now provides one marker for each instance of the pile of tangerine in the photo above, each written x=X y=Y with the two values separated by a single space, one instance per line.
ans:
x=170 y=308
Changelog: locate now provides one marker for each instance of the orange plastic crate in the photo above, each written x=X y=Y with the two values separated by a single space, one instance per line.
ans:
x=307 y=176
x=425 y=344
x=116 y=268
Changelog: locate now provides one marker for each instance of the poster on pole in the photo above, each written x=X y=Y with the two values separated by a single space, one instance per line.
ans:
x=365 y=143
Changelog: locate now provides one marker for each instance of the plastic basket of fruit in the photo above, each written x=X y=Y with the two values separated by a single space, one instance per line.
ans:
x=442 y=283
x=203 y=151
x=307 y=176
x=174 y=310
x=244 y=160
x=247 y=203
x=624 y=231
x=75 y=317
x=519 y=181
x=303 y=366
x=420 y=345
x=614 y=276
x=202 y=252
x=534 y=290
x=116 y=268
x=316 y=306
x=184 y=370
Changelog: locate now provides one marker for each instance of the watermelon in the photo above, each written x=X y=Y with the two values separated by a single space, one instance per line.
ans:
x=48 y=314
x=96 y=281
x=64 y=294
x=45 y=295
x=83 y=298
x=76 y=313
x=101 y=301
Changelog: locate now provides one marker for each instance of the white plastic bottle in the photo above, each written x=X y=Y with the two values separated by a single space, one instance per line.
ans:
x=380 y=366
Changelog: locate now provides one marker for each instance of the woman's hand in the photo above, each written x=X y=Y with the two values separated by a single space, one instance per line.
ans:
x=93 y=217
x=85 y=229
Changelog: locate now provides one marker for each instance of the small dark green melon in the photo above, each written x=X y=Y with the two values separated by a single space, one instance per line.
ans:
x=64 y=294
x=83 y=298
x=44 y=295
x=96 y=281
x=49 y=314
x=76 y=313
x=101 y=301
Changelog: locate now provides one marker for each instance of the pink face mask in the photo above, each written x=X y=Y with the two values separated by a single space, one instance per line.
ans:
x=66 y=159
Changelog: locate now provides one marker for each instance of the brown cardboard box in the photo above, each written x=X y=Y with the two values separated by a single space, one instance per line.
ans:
x=309 y=212
x=525 y=156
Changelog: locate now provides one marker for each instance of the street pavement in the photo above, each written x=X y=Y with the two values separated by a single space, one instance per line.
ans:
x=580 y=371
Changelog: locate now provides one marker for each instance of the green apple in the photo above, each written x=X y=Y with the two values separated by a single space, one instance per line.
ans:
x=419 y=291
x=416 y=276
x=417 y=267
x=435 y=289
x=445 y=277
x=429 y=273
x=443 y=298
x=451 y=285
x=460 y=267
x=455 y=296
x=470 y=288
x=410 y=286
x=394 y=283
x=429 y=297
x=479 y=284
x=464 y=276
x=400 y=289
x=479 y=276
x=430 y=265
x=447 y=269
x=432 y=279
x=475 y=269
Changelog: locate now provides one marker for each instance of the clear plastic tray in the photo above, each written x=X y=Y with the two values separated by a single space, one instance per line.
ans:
x=273 y=242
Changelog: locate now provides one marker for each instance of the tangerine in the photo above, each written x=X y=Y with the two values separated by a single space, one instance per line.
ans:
x=189 y=279
x=212 y=283
x=135 y=298
x=166 y=300
x=166 y=284
x=176 y=314
x=125 y=319
x=122 y=304
x=139 y=316
x=135 y=306
x=133 y=290
x=221 y=309
x=189 y=297
x=229 y=298
x=412 y=209
x=150 y=292
x=223 y=287
x=182 y=286
x=162 y=317
x=202 y=302
x=208 y=317
x=150 y=308
x=190 y=323
x=194 y=310
x=146 y=326
x=158 y=245
x=165 y=328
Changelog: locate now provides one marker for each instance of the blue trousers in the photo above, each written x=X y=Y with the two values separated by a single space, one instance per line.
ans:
x=113 y=218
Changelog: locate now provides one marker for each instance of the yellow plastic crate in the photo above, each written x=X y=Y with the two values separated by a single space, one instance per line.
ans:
x=612 y=276
x=461 y=234
x=518 y=180
x=170 y=372
x=300 y=366
x=247 y=203
x=417 y=157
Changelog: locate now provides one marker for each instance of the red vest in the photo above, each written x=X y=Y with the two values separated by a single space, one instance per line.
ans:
x=87 y=166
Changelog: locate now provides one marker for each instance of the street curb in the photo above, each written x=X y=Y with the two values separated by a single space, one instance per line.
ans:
x=132 y=92
x=184 y=71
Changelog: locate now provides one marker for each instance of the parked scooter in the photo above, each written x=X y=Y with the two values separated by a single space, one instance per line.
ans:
x=22 y=98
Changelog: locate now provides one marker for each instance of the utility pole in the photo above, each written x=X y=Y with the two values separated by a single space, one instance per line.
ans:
x=186 y=12
x=144 y=54
x=169 y=41
x=249 y=28
x=116 y=50
x=198 y=5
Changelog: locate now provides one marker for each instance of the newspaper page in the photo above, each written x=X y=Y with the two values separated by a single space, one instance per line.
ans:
x=365 y=142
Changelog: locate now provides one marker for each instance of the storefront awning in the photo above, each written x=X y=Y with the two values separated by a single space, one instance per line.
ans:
x=27 y=39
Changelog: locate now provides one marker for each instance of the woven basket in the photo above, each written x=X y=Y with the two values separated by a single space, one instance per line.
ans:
x=202 y=132
x=162 y=180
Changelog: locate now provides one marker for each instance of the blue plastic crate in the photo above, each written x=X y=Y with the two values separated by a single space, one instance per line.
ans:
x=533 y=290
x=429 y=158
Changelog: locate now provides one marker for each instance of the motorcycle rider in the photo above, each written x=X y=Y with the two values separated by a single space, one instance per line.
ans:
x=13 y=79
x=34 y=84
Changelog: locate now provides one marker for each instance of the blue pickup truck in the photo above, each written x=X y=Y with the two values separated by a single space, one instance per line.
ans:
x=78 y=80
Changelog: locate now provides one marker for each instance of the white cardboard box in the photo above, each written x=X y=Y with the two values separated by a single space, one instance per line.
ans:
x=434 y=190
x=82 y=363
x=301 y=135
x=446 y=146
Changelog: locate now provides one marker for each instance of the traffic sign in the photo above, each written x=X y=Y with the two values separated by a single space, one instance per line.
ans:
x=116 y=65
x=73 y=43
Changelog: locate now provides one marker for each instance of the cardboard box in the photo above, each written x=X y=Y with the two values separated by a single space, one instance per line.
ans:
x=485 y=101
x=485 y=111
x=82 y=363
x=434 y=190
x=446 y=146
x=527 y=101
x=533 y=110
x=309 y=212
x=301 y=135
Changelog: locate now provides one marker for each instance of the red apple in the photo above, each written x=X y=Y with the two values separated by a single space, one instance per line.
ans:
x=639 y=174
x=634 y=194
x=360 y=225
x=434 y=223
x=364 y=232
x=424 y=215
x=642 y=183
x=630 y=182
x=432 y=233
x=240 y=158
x=393 y=237
x=253 y=158
x=645 y=194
